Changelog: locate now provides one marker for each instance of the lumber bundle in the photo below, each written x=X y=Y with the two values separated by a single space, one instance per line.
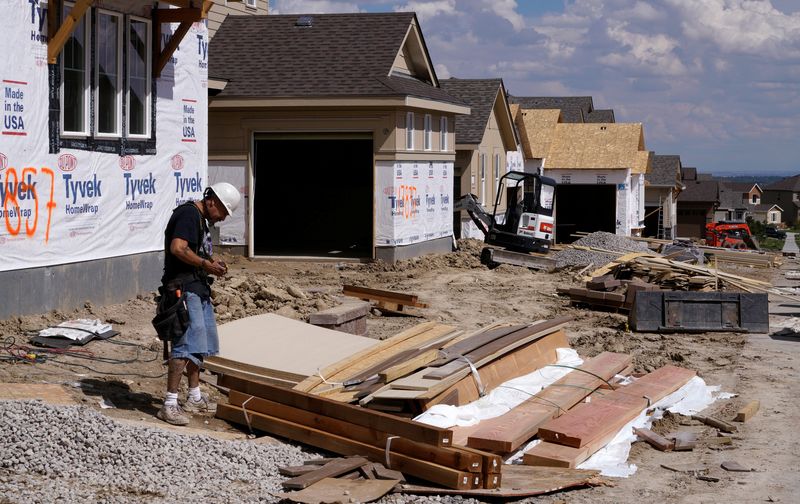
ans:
x=385 y=300
x=413 y=448
x=573 y=437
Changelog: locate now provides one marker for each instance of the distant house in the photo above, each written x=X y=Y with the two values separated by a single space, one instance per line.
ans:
x=338 y=129
x=786 y=194
x=696 y=203
x=737 y=201
x=662 y=186
x=768 y=213
x=483 y=140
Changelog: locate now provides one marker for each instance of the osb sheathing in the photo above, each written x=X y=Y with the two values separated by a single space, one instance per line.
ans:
x=598 y=146
x=536 y=128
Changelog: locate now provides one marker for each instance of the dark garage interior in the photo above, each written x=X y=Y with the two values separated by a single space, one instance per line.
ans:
x=313 y=196
x=587 y=208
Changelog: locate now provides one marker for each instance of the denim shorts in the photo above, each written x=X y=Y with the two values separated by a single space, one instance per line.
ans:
x=200 y=339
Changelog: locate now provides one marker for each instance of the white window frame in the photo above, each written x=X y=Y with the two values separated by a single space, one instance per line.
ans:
x=87 y=82
x=483 y=178
x=409 y=130
x=253 y=4
x=120 y=40
x=443 y=134
x=148 y=79
x=428 y=139
x=496 y=173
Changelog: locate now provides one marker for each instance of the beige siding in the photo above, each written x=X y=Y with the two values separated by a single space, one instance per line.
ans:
x=223 y=8
x=399 y=138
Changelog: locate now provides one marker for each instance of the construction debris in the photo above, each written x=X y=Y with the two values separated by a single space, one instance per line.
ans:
x=388 y=301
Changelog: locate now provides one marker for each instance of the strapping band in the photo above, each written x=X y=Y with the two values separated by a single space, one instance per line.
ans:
x=247 y=416
x=388 y=450
x=475 y=375
x=326 y=382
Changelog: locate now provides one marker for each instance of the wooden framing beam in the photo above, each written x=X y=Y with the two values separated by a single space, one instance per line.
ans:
x=186 y=14
x=57 y=41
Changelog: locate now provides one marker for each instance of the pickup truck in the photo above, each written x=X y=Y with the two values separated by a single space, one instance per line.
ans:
x=773 y=232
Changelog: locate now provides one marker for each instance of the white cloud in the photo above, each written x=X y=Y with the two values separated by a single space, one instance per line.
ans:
x=744 y=26
x=428 y=9
x=442 y=72
x=311 y=6
x=654 y=53
x=506 y=9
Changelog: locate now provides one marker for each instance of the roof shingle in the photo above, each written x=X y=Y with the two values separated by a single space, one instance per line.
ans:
x=665 y=170
x=480 y=95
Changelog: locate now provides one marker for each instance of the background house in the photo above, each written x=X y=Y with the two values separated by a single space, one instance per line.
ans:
x=90 y=173
x=337 y=127
x=224 y=8
x=483 y=140
x=696 y=204
x=662 y=186
x=786 y=194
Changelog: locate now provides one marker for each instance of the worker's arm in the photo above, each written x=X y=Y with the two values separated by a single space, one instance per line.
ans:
x=180 y=248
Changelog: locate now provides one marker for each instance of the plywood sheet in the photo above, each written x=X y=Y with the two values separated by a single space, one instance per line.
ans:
x=282 y=344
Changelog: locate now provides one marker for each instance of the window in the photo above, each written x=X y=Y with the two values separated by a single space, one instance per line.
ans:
x=251 y=3
x=483 y=179
x=138 y=104
x=410 y=130
x=428 y=132
x=774 y=217
x=443 y=134
x=755 y=199
x=496 y=173
x=74 y=90
x=108 y=74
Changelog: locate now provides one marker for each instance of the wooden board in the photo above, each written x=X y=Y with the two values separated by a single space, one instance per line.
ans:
x=273 y=342
x=521 y=481
x=360 y=416
x=508 y=432
x=398 y=298
x=474 y=341
x=604 y=416
x=451 y=457
x=428 y=471
x=341 y=490
x=332 y=469
x=747 y=412
x=332 y=369
x=47 y=392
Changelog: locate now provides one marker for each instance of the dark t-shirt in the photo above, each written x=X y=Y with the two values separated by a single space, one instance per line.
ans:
x=187 y=224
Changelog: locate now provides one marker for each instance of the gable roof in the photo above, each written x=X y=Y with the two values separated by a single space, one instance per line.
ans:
x=574 y=109
x=703 y=191
x=598 y=146
x=536 y=129
x=482 y=96
x=743 y=187
x=338 y=55
x=787 y=184
x=766 y=207
x=730 y=196
x=601 y=116
x=665 y=170
x=688 y=173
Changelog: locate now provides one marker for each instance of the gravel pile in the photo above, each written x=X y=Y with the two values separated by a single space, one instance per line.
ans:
x=73 y=454
x=602 y=240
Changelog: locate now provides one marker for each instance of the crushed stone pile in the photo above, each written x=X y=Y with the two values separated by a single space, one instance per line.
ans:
x=571 y=257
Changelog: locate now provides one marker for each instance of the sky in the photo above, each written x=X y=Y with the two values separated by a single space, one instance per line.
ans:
x=714 y=81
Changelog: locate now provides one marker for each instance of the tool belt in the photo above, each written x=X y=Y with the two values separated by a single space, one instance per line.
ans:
x=172 y=316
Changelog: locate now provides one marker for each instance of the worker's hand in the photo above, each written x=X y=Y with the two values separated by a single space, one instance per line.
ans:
x=217 y=268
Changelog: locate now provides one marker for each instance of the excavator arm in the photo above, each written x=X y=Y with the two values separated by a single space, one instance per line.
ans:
x=481 y=218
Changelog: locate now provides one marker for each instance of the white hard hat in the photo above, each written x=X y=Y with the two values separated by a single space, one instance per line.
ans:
x=227 y=194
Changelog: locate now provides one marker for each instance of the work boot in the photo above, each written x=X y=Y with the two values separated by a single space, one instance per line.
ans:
x=172 y=414
x=204 y=405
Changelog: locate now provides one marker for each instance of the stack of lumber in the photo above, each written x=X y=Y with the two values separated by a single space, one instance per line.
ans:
x=607 y=293
x=387 y=301
x=576 y=435
x=471 y=366
x=400 y=444
x=751 y=258
x=266 y=347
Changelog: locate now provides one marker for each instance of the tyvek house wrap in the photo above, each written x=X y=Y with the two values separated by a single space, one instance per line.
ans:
x=413 y=202
x=78 y=205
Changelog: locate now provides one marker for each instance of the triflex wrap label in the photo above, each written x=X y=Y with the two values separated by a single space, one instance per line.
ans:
x=413 y=202
x=60 y=205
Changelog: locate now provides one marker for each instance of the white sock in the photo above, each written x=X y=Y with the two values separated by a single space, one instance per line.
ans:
x=171 y=399
x=194 y=394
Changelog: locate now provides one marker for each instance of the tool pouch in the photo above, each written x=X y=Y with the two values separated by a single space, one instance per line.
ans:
x=172 y=317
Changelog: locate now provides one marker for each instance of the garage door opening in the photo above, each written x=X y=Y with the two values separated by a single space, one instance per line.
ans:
x=313 y=196
x=587 y=208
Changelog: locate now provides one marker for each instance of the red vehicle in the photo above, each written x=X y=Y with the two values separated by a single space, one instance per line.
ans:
x=728 y=234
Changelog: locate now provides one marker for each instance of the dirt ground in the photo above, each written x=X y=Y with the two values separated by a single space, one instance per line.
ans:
x=128 y=370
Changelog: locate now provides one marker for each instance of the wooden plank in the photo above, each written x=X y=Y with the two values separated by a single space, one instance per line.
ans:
x=450 y=457
x=428 y=471
x=292 y=471
x=330 y=470
x=715 y=422
x=409 y=365
x=414 y=431
x=747 y=412
x=508 y=432
x=555 y=455
x=215 y=367
x=655 y=440
x=339 y=490
x=474 y=341
x=68 y=25
x=607 y=414
x=381 y=472
x=382 y=295
x=333 y=369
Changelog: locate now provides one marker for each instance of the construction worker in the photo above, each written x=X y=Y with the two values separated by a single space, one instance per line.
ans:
x=188 y=262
